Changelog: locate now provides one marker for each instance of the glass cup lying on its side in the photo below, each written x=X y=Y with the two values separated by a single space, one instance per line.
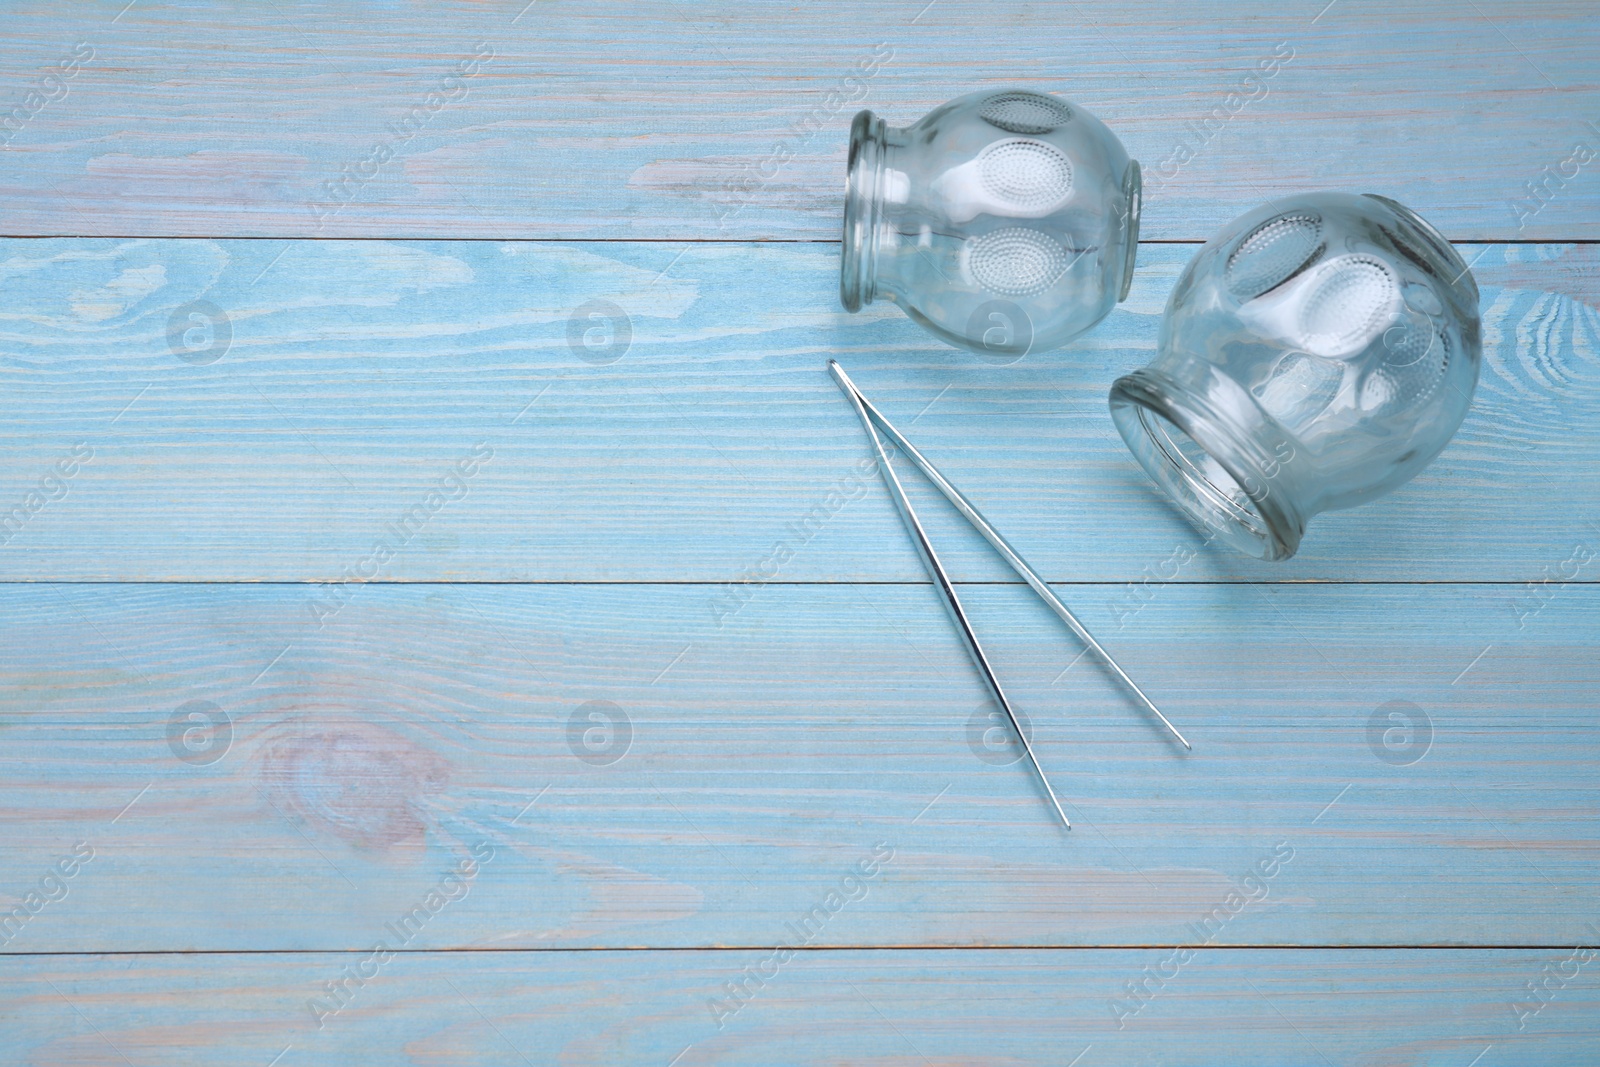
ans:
x=1004 y=221
x=1316 y=353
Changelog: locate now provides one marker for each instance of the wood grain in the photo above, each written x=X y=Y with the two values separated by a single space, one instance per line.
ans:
x=740 y=770
x=663 y=120
x=928 y=1008
x=715 y=441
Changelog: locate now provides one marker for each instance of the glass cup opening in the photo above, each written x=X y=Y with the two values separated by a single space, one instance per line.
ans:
x=1202 y=472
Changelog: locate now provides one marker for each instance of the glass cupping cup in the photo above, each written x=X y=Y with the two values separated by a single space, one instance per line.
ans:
x=1004 y=221
x=1316 y=353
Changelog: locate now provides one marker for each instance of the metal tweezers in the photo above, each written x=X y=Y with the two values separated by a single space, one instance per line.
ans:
x=873 y=420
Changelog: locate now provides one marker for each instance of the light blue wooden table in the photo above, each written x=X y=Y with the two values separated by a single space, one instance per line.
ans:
x=348 y=602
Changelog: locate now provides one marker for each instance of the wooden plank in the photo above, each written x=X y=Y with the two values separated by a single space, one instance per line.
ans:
x=740 y=768
x=816 y=1008
x=659 y=120
x=352 y=378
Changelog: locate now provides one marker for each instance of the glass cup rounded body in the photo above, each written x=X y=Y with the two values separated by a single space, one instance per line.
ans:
x=1004 y=221
x=1319 y=351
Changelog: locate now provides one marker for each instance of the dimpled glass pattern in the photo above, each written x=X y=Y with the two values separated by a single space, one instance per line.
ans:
x=1315 y=354
x=1005 y=221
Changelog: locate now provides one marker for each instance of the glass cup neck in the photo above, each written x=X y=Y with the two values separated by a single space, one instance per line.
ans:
x=1215 y=455
x=863 y=207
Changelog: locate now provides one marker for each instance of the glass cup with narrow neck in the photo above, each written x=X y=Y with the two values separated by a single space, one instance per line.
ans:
x=1004 y=221
x=1315 y=354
